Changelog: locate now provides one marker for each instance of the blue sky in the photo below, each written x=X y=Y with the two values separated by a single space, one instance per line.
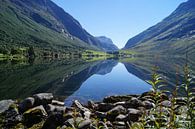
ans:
x=118 y=19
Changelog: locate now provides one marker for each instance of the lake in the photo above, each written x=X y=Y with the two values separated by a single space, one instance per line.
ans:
x=84 y=80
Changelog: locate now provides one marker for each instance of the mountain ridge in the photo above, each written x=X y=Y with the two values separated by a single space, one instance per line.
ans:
x=174 y=34
x=43 y=24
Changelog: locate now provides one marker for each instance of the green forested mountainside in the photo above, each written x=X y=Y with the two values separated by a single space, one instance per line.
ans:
x=174 y=35
x=33 y=23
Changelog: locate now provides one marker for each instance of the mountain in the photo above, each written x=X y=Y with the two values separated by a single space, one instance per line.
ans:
x=173 y=35
x=107 y=44
x=41 y=23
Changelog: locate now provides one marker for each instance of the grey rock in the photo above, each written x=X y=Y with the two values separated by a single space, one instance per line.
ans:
x=111 y=114
x=5 y=104
x=84 y=124
x=53 y=108
x=114 y=99
x=121 y=117
x=148 y=104
x=43 y=98
x=12 y=117
x=134 y=114
x=71 y=122
x=68 y=116
x=26 y=104
x=92 y=105
x=166 y=103
x=53 y=121
x=57 y=103
x=181 y=101
x=34 y=115
x=100 y=115
x=134 y=103
x=102 y=125
x=104 y=107
x=85 y=111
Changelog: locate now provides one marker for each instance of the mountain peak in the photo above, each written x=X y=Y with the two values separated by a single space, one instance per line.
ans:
x=107 y=43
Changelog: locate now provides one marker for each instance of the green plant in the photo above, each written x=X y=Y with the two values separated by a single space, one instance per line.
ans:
x=189 y=96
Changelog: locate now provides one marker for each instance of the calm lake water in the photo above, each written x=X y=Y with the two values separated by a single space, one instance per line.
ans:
x=77 y=79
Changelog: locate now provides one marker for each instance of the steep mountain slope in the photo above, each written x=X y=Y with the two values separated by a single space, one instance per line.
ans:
x=174 y=35
x=41 y=23
x=107 y=44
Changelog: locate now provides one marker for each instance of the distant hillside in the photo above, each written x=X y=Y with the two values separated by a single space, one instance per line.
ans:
x=174 y=35
x=107 y=44
x=41 y=23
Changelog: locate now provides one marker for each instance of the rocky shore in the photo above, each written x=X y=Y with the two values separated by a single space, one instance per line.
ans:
x=114 y=112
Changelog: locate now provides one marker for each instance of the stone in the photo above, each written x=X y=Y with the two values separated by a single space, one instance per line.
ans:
x=92 y=105
x=134 y=103
x=100 y=115
x=34 y=115
x=52 y=108
x=104 y=107
x=12 y=117
x=114 y=99
x=148 y=104
x=71 y=122
x=134 y=114
x=43 y=98
x=26 y=104
x=53 y=121
x=85 y=111
x=84 y=124
x=5 y=104
x=57 y=103
x=123 y=103
x=111 y=114
x=181 y=101
x=68 y=116
x=166 y=103
x=121 y=117
x=102 y=125
x=64 y=127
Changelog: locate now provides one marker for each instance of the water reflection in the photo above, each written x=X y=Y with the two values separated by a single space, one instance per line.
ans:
x=78 y=79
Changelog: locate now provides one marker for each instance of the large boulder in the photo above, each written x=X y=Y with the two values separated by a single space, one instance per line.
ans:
x=34 y=115
x=5 y=104
x=26 y=104
x=43 y=98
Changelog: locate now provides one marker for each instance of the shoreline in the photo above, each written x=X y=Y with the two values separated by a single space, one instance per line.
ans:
x=114 y=112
